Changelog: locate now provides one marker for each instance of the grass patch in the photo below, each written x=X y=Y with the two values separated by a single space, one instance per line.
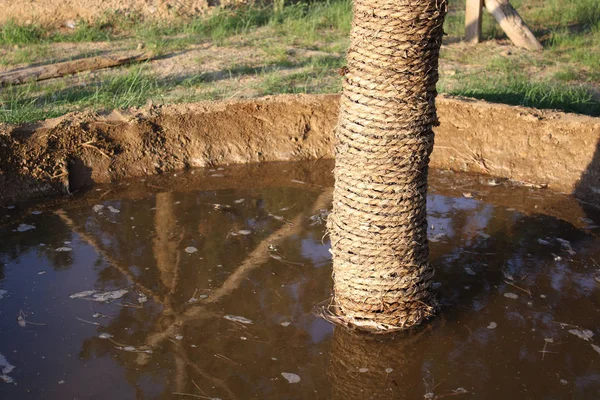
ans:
x=301 y=45
x=318 y=75
x=12 y=33
x=31 y=102
x=517 y=89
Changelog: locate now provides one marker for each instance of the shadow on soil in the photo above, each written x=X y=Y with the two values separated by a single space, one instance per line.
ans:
x=588 y=189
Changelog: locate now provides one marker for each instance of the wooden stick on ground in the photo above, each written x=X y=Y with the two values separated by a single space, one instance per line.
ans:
x=43 y=72
x=512 y=24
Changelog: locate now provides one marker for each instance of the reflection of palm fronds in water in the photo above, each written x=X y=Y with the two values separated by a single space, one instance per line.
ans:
x=372 y=366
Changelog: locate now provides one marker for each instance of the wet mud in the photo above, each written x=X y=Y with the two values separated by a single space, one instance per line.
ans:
x=205 y=285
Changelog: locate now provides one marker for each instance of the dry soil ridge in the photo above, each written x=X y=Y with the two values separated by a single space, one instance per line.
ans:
x=77 y=150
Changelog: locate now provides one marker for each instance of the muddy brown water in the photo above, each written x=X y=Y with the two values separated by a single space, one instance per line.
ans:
x=223 y=269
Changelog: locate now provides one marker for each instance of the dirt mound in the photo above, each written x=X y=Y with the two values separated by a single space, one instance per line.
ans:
x=61 y=12
x=77 y=150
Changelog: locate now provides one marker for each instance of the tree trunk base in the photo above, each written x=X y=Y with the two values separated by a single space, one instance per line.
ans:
x=331 y=313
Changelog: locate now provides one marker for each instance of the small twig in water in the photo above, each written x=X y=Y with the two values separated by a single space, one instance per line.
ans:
x=470 y=332
x=221 y=356
x=544 y=352
x=192 y=395
x=88 y=322
x=518 y=287
x=562 y=325
x=22 y=321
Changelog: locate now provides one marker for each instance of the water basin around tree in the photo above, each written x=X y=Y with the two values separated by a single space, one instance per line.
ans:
x=204 y=284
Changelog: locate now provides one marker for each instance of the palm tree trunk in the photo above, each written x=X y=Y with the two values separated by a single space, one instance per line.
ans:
x=384 y=137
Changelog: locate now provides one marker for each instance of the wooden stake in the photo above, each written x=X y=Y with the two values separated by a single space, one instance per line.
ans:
x=22 y=75
x=473 y=18
x=512 y=24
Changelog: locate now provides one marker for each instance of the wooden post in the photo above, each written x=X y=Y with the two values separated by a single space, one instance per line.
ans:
x=512 y=24
x=473 y=18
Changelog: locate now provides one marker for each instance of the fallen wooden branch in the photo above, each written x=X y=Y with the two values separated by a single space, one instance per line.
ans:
x=43 y=72
x=512 y=24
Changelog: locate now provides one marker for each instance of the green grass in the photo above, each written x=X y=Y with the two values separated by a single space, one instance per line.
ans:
x=315 y=77
x=31 y=102
x=519 y=90
x=12 y=33
x=561 y=77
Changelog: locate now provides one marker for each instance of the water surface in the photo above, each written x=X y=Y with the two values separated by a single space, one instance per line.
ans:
x=223 y=269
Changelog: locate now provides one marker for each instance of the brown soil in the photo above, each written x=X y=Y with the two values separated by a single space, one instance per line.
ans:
x=62 y=12
x=69 y=153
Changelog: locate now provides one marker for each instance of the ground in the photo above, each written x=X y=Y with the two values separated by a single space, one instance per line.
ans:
x=255 y=50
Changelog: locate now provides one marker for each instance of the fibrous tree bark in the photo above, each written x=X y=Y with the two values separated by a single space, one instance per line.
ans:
x=378 y=226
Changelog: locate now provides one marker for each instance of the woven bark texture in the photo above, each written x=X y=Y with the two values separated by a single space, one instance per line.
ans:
x=383 y=141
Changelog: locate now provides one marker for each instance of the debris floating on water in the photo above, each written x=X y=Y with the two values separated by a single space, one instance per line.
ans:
x=142 y=298
x=596 y=348
x=191 y=249
x=105 y=335
x=543 y=242
x=23 y=322
x=584 y=334
x=113 y=210
x=36 y=212
x=98 y=208
x=290 y=377
x=79 y=295
x=132 y=349
x=112 y=295
x=363 y=370
x=64 y=249
x=178 y=337
x=510 y=295
x=492 y=325
x=87 y=322
x=285 y=323
x=238 y=201
x=100 y=296
x=244 y=232
x=469 y=271
x=320 y=218
x=25 y=228
x=236 y=318
x=437 y=237
x=566 y=245
x=389 y=370
x=5 y=369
